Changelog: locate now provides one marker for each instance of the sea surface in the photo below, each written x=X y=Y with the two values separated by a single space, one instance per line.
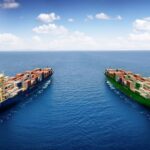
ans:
x=79 y=110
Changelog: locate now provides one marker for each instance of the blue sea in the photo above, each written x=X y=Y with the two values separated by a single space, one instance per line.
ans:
x=79 y=110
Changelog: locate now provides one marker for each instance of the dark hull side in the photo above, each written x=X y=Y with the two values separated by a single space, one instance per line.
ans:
x=16 y=99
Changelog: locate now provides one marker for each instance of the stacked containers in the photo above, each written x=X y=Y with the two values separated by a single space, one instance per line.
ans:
x=40 y=77
x=25 y=80
x=117 y=76
x=146 y=85
x=111 y=74
x=36 y=79
x=19 y=75
x=128 y=83
x=138 y=84
x=18 y=84
x=15 y=85
x=25 y=86
x=28 y=82
x=33 y=82
x=135 y=82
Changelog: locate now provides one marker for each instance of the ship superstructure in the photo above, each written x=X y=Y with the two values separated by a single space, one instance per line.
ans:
x=11 y=88
x=133 y=85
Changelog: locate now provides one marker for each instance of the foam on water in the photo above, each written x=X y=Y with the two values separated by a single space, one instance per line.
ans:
x=129 y=101
x=8 y=114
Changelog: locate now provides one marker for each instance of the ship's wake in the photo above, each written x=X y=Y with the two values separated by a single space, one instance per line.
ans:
x=141 y=109
x=7 y=114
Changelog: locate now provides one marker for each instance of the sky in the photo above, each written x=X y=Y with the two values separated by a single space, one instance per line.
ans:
x=56 y=25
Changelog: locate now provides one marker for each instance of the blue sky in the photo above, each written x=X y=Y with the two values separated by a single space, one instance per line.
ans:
x=74 y=24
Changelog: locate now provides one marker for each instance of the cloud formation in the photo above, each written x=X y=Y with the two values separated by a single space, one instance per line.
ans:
x=9 y=41
x=8 y=38
x=48 y=17
x=139 y=37
x=52 y=36
x=142 y=24
x=102 y=16
x=50 y=29
x=9 y=4
x=141 y=31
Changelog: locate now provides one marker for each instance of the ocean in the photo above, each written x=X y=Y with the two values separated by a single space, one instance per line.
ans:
x=79 y=110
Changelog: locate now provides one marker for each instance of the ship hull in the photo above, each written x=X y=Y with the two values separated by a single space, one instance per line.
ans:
x=21 y=96
x=125 y=90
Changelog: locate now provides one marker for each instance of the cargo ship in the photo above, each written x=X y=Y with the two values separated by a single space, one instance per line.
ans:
x=132 y=85
x=14 y=89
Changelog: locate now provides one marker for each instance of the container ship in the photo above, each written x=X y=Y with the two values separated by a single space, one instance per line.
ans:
x=132 y=85
x=13 y=89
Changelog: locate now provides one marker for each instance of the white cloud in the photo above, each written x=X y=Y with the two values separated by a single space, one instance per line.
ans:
x=8 y=38
x=73 y=40
x=9 y=4
x=141 y=31
x=71 y=20
x=48 y=18
x=139 y=36
x=36 y=38
x=102 y=16
x=142 y=25
x=48 y=37
x=50 y=29
x=9 y=41
x=58 y=37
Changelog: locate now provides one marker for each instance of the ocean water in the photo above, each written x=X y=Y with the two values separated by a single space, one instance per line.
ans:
x=79 y=110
